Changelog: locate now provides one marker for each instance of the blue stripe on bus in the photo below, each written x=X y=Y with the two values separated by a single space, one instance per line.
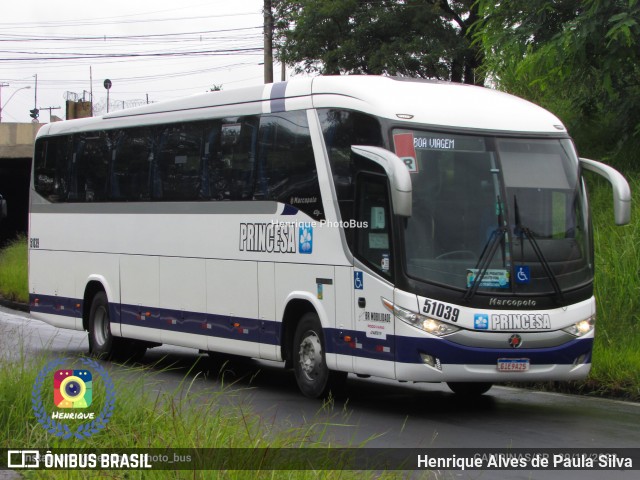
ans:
x=394 y=348
x=277 y=97
x=289 y=210
x=407 y=350
x=54 y=305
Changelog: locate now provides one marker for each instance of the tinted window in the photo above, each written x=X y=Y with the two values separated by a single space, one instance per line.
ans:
x=129 y=173
x=176 y=162
x=373 y=245
x=341 y=130
x=51 y=168
x=93 y=155
x=236 y=158
x=286 y=170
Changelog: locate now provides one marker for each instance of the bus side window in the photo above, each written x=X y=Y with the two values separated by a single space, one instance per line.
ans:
x=286 y=168
x=92 y=166
x=129 y=175
x=177 y=158
x=373 y=235
x=51 y=169
x=341 y=129
x=238 y=156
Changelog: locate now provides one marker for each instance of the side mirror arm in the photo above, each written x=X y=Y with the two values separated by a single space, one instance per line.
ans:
x=621 y=190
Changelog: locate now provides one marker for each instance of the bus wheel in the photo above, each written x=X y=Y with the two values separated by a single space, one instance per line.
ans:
x=469 y=389
x=309 y=360
x=102 y=343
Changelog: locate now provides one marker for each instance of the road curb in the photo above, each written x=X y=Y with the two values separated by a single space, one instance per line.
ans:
x=23 y=307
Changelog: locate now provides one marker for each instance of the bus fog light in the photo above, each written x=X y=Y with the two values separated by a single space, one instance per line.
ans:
x=580 y=360
x=431 y=361
x=582 y=327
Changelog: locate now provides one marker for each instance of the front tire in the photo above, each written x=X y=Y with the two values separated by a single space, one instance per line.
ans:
x=313 y=376
x=102 y=343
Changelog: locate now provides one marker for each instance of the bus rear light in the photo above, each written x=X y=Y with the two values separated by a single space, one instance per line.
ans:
x=347 y=338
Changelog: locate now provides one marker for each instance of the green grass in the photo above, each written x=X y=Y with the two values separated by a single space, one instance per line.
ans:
x=616 y=357
x=14 y=271
x=191 y=416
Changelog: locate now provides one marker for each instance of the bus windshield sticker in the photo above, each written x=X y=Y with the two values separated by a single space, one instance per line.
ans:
x=405 y=149
x=428 y=143
x=523 y=275
x=385 y=264
x=493 y=278
x=378 y=241
x=377 y=218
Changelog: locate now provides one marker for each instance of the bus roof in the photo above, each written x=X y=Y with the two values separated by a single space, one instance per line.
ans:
x=432 y=103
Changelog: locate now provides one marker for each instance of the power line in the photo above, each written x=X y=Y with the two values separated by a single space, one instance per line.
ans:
x=102 y=38
x=93 y=23
x=83 y=56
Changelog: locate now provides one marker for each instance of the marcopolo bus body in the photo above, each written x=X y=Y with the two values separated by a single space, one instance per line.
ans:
x=412 y=230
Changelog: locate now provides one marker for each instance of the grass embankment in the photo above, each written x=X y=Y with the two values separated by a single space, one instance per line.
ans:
x=616 y=356
x=13 y=271
x=190 y=417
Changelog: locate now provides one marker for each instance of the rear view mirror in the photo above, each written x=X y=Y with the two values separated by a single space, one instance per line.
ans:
x=621 y=190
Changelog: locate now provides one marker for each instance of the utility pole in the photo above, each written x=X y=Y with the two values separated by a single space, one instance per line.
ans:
x=268 y=42
x=50 y=110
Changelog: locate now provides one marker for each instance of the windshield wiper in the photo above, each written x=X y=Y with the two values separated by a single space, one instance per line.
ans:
x=484 y=261
x=523 y=231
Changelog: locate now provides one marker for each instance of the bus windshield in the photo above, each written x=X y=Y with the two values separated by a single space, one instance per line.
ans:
x=495 y=215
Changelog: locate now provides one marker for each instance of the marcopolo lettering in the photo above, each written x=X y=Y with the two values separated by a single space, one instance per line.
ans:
x=508 y=302
x=520 y=321
x=268 y=237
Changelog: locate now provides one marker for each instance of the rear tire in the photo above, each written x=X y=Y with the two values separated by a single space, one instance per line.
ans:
x=469 y=389
x=313 y=376
x=102 y=344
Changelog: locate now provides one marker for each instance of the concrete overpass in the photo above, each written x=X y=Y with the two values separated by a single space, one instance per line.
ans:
x=16 y=150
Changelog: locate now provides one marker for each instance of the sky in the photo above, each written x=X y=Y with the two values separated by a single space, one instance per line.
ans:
x=151 y=51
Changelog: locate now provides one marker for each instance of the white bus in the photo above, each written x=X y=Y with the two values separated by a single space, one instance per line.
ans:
x=412 y=230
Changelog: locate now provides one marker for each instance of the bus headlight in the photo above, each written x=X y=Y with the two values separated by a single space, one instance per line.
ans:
x=582 y=327
x=428 y=324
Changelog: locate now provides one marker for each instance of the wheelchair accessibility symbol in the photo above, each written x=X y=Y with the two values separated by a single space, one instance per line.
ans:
x=523 y=275
x=358 y=281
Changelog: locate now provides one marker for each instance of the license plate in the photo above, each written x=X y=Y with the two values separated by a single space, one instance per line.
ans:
x=513 y=364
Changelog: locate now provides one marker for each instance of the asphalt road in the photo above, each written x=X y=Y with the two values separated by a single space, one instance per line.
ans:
x=374 y=412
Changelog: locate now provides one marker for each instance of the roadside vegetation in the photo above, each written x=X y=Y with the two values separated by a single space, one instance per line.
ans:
x=14 y=271
x=616 y=356
x=192 y=416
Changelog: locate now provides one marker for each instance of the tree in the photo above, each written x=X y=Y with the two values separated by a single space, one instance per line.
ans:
x=421 y=38
x=580 y=59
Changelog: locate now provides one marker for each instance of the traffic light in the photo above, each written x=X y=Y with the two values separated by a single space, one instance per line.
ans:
x=34 y=113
